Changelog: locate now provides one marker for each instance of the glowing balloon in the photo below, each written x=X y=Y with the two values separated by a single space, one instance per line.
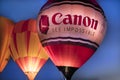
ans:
x=71 y=31
x=6 y=27
x=26 y=49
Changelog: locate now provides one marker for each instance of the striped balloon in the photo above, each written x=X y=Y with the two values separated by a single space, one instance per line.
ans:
x=26 y=49
x=6 y=27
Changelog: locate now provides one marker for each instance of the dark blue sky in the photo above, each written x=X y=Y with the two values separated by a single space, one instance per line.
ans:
x=104 y=64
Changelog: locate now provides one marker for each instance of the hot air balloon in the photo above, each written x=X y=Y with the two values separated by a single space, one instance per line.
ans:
x=71 y=31
x=6 y=27
x=26 y=49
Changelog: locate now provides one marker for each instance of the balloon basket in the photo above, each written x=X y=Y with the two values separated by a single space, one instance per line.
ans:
x=67 y=71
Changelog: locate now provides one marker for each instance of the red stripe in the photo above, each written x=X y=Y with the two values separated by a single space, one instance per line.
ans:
x=25 y=26
x=94 y=1
x=17 y=28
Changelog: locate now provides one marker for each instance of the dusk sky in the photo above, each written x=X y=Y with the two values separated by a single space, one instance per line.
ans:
x=103 y=65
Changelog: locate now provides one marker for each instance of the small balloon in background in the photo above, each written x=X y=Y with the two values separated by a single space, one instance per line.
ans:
x=6 y=27
x=26 y=49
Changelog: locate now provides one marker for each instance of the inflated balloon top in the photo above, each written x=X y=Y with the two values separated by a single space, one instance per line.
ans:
x=71 y=31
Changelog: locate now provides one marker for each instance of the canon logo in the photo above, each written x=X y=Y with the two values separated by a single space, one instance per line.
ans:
x=59 y=18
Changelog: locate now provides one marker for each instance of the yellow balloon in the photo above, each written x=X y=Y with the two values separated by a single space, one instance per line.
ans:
x=6 y=27
x=26 y=49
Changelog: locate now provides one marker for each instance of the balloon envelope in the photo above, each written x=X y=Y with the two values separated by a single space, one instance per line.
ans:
x=6 y=27
x=71 y=31
x=26 y=49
